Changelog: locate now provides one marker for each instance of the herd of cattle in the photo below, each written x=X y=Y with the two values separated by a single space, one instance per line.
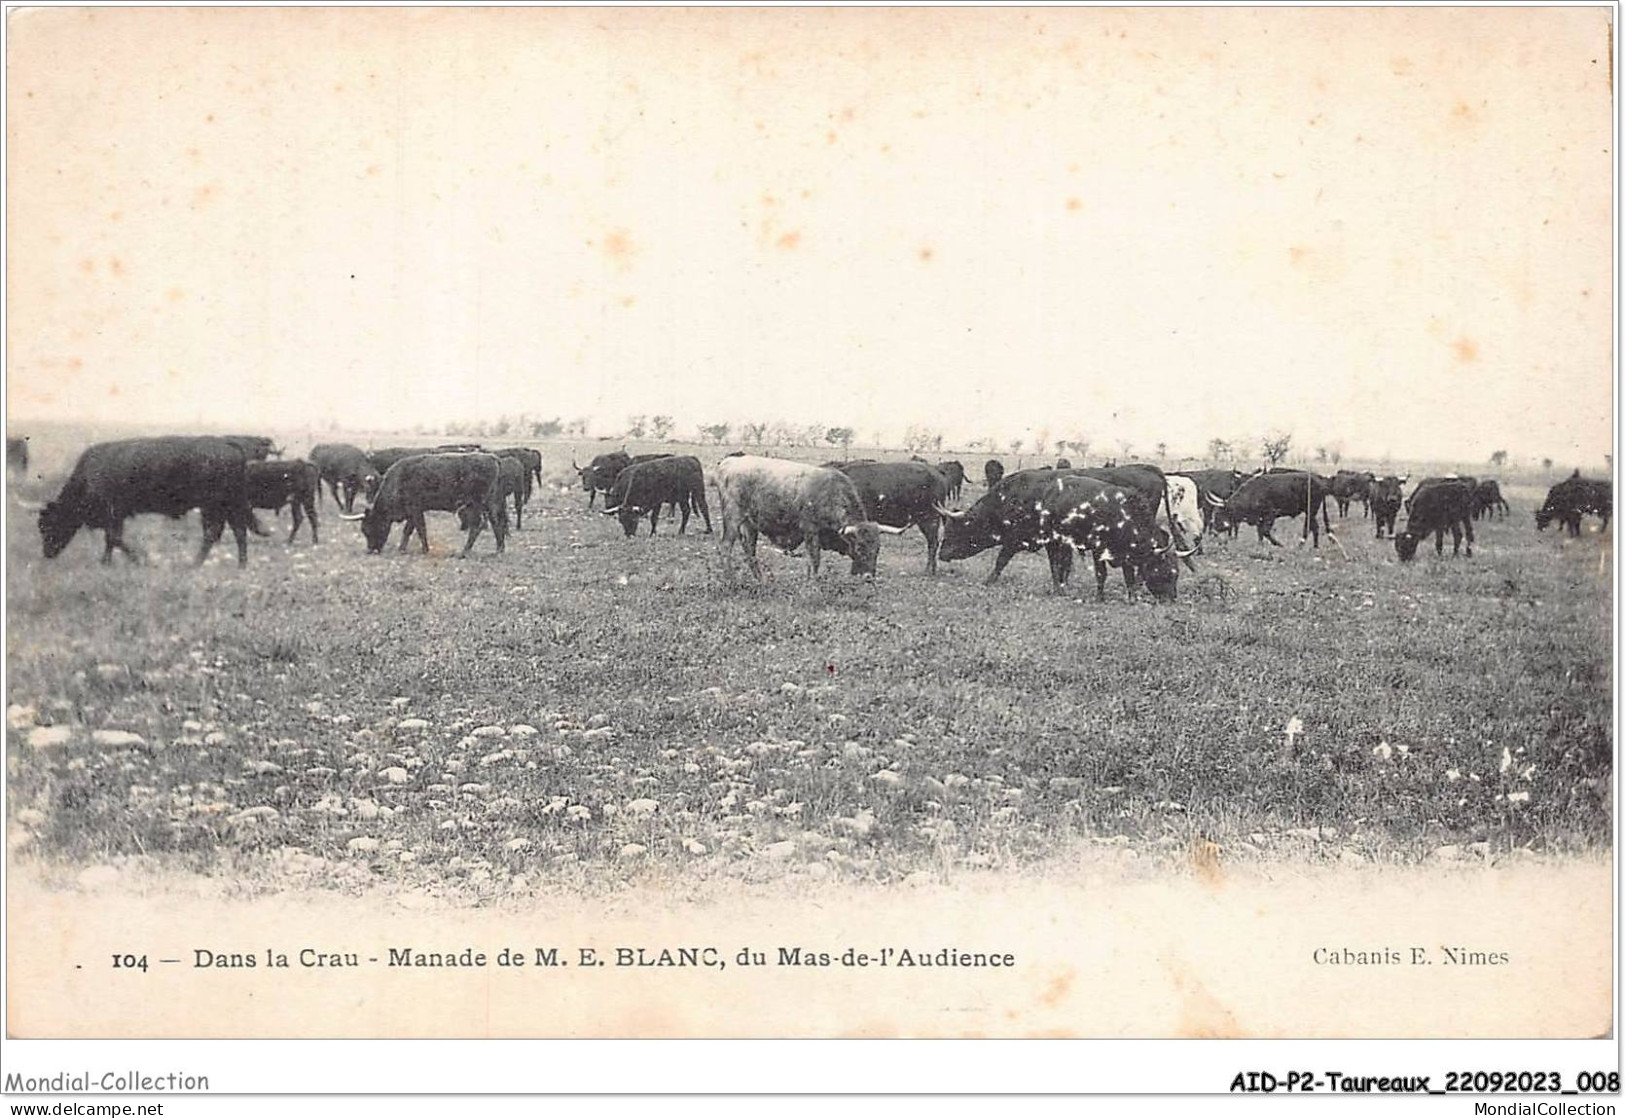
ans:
x=1135 y=517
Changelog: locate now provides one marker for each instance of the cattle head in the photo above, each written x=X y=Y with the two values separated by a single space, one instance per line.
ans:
x=375 y=525
x=1160 y=570
x=1405 y=544
x=1543 y=517
x=969 y=532
x=59 y=521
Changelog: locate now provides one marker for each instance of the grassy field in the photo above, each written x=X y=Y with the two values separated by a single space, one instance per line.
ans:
x=587 y=711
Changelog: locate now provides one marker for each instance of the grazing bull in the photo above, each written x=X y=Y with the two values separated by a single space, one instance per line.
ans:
x=600 y=474
x=469 y=485
x=902 y=495
x=1349 y=486
x=255 y=448
x=271 y=485
x=1572 y=498
x=1060 y=512
x=1487 y=500
x=646 y=487
x=170 y=475
x=1387 y=495
x=1265 y=498
x=17 y=455
x=1152 y=484
x=513 y=484
x=993 y=472
x=346 y=470
x=792 y=503
x=1437 y=504
x=954 y=472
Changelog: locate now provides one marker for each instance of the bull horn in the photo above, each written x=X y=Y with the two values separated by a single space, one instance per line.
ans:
x=573 y=465
x=890 y=531
x=948 y=512
x=353 y=515
x=609 y=512
x=1215 y=500
x=1185 y=553
x=32 y=506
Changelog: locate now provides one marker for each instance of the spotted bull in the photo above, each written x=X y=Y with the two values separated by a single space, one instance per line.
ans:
x=1060 y=512
x=792 y=503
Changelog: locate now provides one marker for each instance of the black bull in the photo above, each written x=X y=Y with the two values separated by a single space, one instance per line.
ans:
x=295 y=482
x=647 y=487
x=347 y=471
x=599 y=475
x=1060 y=512
x=1266 y=498
x=469 y=485
x=900 y=495
x=1438 y=505
x=170 y=476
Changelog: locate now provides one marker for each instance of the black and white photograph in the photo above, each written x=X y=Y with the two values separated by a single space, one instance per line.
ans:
x=810 y=523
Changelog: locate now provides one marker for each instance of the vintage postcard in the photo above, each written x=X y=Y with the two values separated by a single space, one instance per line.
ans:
x=810 y=523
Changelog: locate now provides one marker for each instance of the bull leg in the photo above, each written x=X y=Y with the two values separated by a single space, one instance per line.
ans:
x=310 y=511
x=814 y=553
x=1060 y=562
x=654 y=518
x=749 y=542
x=1468 y=525
x=1438 y=542
x=298 y=519
x=683 y=507
x=500 y=527
x=592 y=495
x=239 y=529
x=421 y=526
x=475 y=524
x=1006 y=553
x=406 y=531
x=112 y=538
x=1101 y=573
x=214 y=523
x=931 y=529
x=1266 y=531
x=699 y=503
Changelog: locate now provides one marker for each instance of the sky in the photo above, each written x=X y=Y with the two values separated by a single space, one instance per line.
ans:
x=1382 y=230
